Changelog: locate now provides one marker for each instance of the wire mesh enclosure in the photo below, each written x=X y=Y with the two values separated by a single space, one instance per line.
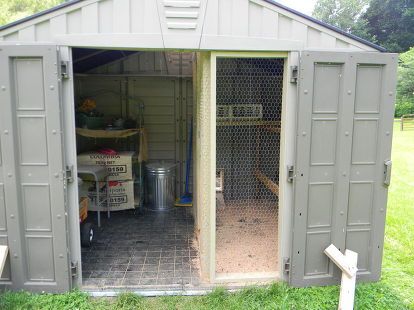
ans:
x=249 y=108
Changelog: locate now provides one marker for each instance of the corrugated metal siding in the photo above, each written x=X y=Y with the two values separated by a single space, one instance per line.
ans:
x=178 y=24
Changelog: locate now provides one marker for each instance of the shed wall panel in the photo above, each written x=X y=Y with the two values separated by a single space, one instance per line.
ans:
x=224 y=17
x=137 y=14
x=211 y=27
x=58 y=25
x=14 y=36
x=284 y=27
x=151 y=18
x=270 y=22
x=90 y=19
x=256 y=23
x=43 y=31
x=240 y=8
x=28 y=34
x=74 y=21
x=180 y=27
x=105 y=16
x=121 y=16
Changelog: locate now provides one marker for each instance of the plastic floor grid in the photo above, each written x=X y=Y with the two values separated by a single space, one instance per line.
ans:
x=155 y=249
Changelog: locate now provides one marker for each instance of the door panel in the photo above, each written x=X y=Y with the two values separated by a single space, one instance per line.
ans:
x=345 y=114
x=373 y=124
x=33 y=168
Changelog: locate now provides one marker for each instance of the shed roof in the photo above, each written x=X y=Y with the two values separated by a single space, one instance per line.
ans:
x=177 y=22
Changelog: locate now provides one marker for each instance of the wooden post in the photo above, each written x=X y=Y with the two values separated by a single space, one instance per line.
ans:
x=402 y=123
x=346 y=296
x=348 y=264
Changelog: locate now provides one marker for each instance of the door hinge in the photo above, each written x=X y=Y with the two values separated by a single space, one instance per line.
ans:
x=294 y=74
x=290 y=173
x=69 y=174
x=286 y=265
x=64 y=69
x=74 y=269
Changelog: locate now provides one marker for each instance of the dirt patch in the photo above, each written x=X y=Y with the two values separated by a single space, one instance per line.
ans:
x=195 y=260
x=247 y=237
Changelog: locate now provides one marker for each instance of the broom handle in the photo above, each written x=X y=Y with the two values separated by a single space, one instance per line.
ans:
x=190 y=148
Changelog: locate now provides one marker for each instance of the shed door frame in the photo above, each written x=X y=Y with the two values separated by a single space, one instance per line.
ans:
x=39 y=253
x=72 y=195
x=343 y=139
x=286 y=148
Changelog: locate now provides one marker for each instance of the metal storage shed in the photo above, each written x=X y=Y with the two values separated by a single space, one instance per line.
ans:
x=327 y=95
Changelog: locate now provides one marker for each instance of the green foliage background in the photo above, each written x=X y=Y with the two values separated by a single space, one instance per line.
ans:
x=343 y=14
x=405 y=87
x=389 y=23
x=11 y=10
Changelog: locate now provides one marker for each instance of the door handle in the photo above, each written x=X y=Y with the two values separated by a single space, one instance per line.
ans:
x=387 y=172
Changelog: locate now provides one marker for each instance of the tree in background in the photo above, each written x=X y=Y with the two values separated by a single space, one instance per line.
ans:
x=11 y=10
x=405 y=86
x=343 y=14
x=391 y=23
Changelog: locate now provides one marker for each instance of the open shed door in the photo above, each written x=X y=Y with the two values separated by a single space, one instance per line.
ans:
x=32 y=175
x=344 y=132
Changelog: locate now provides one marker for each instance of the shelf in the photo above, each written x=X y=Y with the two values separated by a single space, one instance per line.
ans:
x=272 y=186
x=270 y=126
x=274 y=129
x=120 y=134
x=107 y=134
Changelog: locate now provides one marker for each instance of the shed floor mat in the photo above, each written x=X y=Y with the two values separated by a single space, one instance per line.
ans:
x=154 y=249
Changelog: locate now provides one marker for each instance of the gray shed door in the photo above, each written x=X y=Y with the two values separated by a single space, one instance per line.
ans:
x=31 y=169
x=344 y=130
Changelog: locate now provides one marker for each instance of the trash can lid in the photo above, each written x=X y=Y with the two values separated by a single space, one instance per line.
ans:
x=160 y=166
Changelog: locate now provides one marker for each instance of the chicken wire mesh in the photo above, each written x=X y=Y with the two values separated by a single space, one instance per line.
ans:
x=249 y=108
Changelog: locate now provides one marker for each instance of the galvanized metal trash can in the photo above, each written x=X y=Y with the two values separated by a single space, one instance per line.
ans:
x=160 y=185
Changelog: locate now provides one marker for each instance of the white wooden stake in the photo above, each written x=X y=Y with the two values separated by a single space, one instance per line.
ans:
x=348 y=264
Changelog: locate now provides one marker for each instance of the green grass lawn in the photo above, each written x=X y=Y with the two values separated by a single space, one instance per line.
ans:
x=398 y=262
x=394 y=291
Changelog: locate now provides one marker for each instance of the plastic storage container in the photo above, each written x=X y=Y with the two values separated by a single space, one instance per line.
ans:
x=160 y=185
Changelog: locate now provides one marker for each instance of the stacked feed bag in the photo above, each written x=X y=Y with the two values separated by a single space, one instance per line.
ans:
x=122 y=195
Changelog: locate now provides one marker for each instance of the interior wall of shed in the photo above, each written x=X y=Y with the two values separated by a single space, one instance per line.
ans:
x=162 y=82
